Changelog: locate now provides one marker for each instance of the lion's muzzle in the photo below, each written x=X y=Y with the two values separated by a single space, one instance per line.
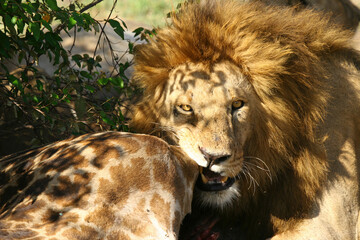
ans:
x=212 y=181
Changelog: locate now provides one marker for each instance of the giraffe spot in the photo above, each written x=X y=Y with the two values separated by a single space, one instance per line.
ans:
x=116 y=235
x=22 y=212
x=52 y=215
x=177 y=221
x=134 y=224
x=68 y=193
x=24 y=180
x=60 y=220
x=84 y=233
x=21 y=225
x=161 y=210
x=22 y=234
x=165 y=173
x=154 y=145
x=48 y=153
x=103 y=217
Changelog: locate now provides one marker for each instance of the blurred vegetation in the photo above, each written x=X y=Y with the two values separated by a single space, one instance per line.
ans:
x=54 y=107
x=149 y=12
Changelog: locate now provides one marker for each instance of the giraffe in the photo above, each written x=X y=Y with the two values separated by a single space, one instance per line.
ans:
x=107 y=185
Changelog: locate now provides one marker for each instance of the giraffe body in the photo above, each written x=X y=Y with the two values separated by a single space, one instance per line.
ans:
x=98 y=186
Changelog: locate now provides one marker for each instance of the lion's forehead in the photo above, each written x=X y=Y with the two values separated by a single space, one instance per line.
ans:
x=196 y=82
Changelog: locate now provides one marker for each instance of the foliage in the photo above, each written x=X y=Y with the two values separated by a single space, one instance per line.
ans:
x=62 y=104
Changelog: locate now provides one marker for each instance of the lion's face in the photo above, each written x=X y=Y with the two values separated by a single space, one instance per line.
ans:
x=208 y=110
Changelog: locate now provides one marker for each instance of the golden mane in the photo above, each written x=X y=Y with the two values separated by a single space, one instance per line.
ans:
x=282 y=53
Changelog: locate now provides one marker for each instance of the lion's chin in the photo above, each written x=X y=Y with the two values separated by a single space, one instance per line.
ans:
x=222 y=199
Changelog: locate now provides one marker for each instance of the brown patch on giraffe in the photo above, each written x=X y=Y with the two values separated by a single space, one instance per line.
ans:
x=20 y=234
x=58 y=220
x=5 y=225
x=64 y=160
x=103 y=217
x=135 y=225
x=110 y=146
x=123 y=178
x=164 y=173
x=140 y=206
x=116 y=235
x=68 y=193
x=112 y=193
x=48 y=153
x=158 y=207
x=154 y=145
x=85 y=233
x=21 y=225
x=177 y=220
x=23 y=211
x=10 y=196
x=104 y=152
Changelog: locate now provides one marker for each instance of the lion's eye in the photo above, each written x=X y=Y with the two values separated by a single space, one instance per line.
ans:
x=185 y=107
x=237 y=104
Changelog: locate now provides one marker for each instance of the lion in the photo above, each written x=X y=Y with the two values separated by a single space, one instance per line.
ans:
x=267 y=103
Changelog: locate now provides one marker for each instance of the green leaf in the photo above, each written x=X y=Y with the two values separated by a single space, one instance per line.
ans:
x=106 y=119
x=72 y=22
x=9 y=24
x=35 y=98
x=138 y=31
x=20 y=26
x=124 y=24
x=117 y=28
x=90 y=88
x=14 y=19
x=131 y=47
x=118 y=81
x=35 y=29
x=86 y=74
x=39 y=85
x=49 y=38
x=52 y=4
x=28 y=7
x=46 y=24
x=103 y=81
x=76 y=58
x=16 y=82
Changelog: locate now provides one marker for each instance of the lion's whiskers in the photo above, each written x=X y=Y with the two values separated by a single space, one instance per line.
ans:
x=266 y=168
x=252 y=181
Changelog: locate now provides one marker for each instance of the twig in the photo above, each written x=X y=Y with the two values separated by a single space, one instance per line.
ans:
x=103 y=27
x=73 y=44
x=90 y=5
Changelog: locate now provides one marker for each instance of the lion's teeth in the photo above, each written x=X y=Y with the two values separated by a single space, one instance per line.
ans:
x=224 y=179
x=204 y=179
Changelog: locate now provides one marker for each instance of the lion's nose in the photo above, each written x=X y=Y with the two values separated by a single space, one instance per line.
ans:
x=214 y=158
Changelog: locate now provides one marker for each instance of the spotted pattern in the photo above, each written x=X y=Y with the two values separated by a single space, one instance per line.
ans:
x=98 y=186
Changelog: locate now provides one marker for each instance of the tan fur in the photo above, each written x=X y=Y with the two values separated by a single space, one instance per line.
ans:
x=107 y=185
x=299 y=79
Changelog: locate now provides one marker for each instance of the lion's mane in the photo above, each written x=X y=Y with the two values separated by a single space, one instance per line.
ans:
x=286 y=55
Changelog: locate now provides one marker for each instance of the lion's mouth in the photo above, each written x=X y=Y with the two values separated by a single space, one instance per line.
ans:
x=212 y=181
